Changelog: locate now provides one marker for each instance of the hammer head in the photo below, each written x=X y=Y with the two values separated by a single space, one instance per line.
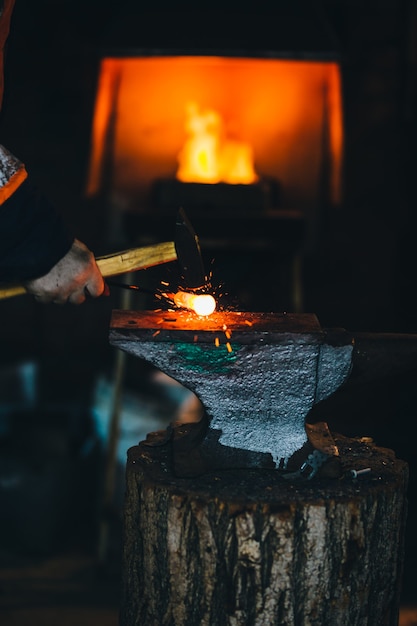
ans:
x=256 y=374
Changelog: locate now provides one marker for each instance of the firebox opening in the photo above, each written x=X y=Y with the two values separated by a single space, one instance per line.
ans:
x=276 y=121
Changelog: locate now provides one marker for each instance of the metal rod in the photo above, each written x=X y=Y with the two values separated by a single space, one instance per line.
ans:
x=113 y=283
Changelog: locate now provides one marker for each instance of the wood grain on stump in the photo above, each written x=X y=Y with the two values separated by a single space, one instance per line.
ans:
x=248 y=547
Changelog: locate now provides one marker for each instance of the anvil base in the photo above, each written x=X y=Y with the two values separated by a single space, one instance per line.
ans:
x=194 y=450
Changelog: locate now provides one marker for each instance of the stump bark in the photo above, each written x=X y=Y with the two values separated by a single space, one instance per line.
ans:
x=251 y=548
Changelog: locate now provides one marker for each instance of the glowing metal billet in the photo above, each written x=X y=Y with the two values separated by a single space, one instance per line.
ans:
x=203 y=304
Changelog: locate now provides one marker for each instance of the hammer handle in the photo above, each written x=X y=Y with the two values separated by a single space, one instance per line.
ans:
x=117 y=263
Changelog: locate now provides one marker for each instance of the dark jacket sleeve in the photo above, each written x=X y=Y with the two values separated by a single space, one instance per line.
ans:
x=33 y=236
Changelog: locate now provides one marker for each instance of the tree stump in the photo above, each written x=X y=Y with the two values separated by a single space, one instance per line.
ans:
x=252 y=548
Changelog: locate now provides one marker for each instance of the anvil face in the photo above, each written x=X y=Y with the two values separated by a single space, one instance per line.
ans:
x=256 y=374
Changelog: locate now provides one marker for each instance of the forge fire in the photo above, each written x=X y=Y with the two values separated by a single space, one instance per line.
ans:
x=216 y=119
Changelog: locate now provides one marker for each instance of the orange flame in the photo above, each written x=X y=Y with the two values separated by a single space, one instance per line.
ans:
x=208 y=156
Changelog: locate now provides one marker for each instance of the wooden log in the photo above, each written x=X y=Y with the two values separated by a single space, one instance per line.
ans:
x=251 y=548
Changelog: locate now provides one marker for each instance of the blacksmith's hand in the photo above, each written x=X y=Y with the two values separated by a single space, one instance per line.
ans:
x=72 y=279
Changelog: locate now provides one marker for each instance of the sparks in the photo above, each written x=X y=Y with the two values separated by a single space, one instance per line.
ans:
x=203 y=304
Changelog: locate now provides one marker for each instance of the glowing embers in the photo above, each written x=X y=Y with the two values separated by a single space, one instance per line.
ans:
x=202 y=304
x=208 y=155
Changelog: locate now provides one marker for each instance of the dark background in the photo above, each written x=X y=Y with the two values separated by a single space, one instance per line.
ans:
x=361 y=273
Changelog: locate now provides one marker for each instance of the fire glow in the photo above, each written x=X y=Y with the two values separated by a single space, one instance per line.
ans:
x=289 y=111
x=208 y=155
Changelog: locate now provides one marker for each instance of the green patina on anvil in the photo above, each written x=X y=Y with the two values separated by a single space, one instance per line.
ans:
x=206 y=357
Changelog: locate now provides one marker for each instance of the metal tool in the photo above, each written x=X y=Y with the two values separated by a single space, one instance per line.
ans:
x=117 y=263
x=113 y=283
x=189 y=256
x=188 y=251
x=257 y=375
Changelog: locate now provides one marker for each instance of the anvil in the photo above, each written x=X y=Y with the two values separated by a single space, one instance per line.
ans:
x=257 y=376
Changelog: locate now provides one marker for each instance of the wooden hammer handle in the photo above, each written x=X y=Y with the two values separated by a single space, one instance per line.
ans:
x=117 y=263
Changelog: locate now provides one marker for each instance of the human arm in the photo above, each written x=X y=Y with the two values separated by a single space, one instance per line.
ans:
x=35 y=245
x=72 y=279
